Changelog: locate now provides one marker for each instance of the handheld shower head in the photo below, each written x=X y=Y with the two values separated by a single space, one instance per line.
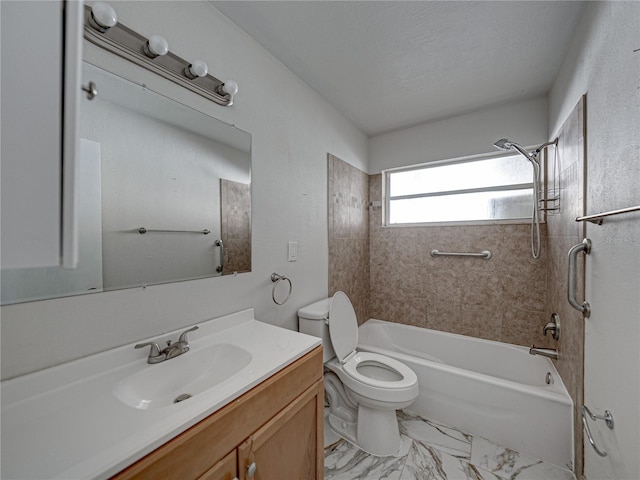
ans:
x=503 y=144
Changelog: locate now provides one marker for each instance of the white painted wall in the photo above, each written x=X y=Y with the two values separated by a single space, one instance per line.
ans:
x=292 y=130
x=471 y=134
x=601 y=62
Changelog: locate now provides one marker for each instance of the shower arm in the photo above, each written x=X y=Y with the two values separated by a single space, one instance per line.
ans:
x=537 y=151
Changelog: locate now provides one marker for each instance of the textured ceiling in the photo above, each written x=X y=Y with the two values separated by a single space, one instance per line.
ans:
x=387 y=65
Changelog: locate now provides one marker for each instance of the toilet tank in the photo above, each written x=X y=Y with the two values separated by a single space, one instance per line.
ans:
x=311 y=320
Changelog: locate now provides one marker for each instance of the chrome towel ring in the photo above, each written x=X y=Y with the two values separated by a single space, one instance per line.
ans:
x=607 y=417
x=277 y=278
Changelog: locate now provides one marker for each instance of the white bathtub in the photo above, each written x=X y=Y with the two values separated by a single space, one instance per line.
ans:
x=491 y=389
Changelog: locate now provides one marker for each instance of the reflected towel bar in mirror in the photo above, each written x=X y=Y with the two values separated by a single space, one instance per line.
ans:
x=143 y=230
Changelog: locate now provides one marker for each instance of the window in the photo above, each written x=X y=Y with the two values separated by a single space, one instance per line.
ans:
x=470 y=190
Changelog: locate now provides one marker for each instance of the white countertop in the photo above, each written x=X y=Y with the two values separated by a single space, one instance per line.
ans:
x=66 y=421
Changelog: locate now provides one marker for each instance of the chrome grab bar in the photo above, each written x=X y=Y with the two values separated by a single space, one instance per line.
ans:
x=220 y=268
x=485 y=254
x=607 y=417
x=598 y=217
x=583 y=307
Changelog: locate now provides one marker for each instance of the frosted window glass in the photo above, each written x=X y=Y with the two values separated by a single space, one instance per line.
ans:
x=510 y=204
x=492 y=172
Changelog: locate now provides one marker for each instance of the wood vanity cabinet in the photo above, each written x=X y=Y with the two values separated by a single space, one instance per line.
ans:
x=272 y=432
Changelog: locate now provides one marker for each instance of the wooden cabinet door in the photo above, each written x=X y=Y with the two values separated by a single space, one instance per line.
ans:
x=225 y=469
x=289 y=446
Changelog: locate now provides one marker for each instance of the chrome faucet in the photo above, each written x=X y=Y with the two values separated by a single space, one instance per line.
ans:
x=545 y=352
x=172 y=350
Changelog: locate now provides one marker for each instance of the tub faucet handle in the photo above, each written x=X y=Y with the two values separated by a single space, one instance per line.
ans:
x=553 y=326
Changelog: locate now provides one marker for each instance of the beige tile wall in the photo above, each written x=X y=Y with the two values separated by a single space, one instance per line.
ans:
x=389 y=274
x=503 y=298
x=348 y=200
x=563 y=232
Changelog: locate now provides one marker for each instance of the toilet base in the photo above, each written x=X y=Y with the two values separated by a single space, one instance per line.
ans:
x=378 y=432
x=367 y=423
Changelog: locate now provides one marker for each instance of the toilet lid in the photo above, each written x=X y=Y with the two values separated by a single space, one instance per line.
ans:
x=343 y=326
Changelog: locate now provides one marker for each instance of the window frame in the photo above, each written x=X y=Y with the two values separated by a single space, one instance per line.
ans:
x=386 y=198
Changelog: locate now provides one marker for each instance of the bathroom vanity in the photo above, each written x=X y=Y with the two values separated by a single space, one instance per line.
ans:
x=272 y=431
x=245 y=401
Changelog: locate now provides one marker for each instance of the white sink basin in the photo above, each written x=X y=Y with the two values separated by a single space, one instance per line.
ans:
x=193 y=372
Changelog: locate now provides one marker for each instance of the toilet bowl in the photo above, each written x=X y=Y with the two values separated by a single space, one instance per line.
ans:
x=364 y=389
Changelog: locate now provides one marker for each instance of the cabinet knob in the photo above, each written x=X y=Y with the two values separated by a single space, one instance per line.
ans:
x=251 y=469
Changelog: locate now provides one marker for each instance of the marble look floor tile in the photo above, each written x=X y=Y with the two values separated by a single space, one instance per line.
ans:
x=431 y=451
x=476 y=473
x=347 y=462
x=509 y=464
x=425 y=462
x=445 y=439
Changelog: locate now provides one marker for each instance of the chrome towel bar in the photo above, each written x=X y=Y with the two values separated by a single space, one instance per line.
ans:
x=598 y=217
x=485 y=254
x=585 y=247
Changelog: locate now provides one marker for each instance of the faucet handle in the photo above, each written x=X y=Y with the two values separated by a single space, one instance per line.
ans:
x=155 y=348
x=183 y=335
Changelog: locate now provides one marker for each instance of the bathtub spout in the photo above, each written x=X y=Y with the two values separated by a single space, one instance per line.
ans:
x=545 y=352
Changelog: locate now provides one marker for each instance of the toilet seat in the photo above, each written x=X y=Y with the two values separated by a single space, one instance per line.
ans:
x=408 y=377
x=343 y=330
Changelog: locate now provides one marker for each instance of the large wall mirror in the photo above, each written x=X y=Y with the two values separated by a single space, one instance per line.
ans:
x=164 y=195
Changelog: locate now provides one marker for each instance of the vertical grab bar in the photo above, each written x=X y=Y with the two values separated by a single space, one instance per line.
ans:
x=219 y=268
x=585 y=247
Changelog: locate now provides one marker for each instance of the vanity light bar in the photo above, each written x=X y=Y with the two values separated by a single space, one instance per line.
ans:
x=152 y=55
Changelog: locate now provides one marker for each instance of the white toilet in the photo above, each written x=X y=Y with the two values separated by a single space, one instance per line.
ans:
x=364 y=389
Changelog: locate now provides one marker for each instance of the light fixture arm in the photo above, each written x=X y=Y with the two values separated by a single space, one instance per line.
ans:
x=128 y=44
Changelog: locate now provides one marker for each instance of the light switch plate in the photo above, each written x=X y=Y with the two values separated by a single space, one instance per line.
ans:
x=292 y=252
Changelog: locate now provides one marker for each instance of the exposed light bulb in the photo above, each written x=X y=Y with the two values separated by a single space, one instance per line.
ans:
x=196 y=69
x=230 y=87
x=156 y=45
x=102 y=17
